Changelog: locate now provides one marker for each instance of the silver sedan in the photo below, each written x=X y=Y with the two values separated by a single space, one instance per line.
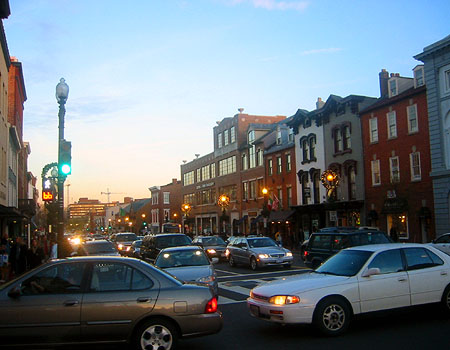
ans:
x=104 y=300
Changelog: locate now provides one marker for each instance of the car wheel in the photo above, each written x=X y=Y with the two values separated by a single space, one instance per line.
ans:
x=287 y=266
x=253 y=263
x=231 y=261
x=156 y=334
x=446 y=299
x=332 y=316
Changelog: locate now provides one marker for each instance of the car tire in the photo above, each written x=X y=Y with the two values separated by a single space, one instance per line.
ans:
x=332 y=316
x=156 y=334
x=287 y=266
x=231 y=261
x=253 y=263
x=446 y=300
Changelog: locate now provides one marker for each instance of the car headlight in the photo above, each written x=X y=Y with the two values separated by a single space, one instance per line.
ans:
x=227 y=252
x=288 y=254
x=206 y=279
x=263 y=256
x=211 y=251
x=120 y=246
x=284 y=299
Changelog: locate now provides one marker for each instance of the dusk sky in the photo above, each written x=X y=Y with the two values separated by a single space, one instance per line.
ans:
x=149 y=78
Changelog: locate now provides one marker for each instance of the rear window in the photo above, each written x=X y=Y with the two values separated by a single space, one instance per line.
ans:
x=320 y=242
x=172 y=241
x=126 y=238
x=364 y=238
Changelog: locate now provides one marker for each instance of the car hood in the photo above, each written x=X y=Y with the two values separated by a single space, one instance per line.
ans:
x=269 y=250
x=190 y=273
x=297 y=284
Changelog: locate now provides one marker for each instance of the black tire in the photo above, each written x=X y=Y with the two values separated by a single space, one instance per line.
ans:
x=446 y=300
x=231 y=261
x=253 y=263
x=159 y=333
x=332 y=316
x=287 y=266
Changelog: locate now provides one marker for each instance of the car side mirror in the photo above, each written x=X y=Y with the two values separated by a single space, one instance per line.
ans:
x=370 y=272
x=14 y=293
x=215 y=260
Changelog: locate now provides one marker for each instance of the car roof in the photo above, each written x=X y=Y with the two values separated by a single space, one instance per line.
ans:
x=357 y=232
x=386 y=246
x=183 y=247
x=98 y=241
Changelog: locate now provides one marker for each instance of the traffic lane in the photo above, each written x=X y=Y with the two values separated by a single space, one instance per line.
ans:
x=424 y=327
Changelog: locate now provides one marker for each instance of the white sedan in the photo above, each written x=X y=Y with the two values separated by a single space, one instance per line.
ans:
x=354 y=281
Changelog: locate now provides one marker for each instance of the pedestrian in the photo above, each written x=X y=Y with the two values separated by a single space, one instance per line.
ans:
x=18 y=257
x=393 y=234
x=35 y=255
x=279 y=239
x=5 y=249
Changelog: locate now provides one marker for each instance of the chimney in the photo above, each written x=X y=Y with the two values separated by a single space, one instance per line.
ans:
x=174 y=181
x=319 y=103
x=384 y=77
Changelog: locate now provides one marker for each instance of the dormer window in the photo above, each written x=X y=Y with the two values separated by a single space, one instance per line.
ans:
x=393 y=91
x=278 y=136
x=419 y=76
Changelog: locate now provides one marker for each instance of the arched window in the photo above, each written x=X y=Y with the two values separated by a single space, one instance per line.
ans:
x=351 y=183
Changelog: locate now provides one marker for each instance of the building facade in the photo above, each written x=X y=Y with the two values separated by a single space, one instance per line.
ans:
x=436 y=59
x=397 y=162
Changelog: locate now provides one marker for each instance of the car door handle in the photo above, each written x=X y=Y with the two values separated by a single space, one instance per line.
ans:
x=443 y=273
x=143 y=299
x=71 y=302
x=401 y=279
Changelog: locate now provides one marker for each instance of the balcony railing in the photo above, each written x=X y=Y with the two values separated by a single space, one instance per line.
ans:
x=27 y=206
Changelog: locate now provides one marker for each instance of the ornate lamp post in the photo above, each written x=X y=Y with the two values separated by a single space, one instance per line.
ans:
x=62 y=93
x=265 y=211
x=330 y=181
x=223 y=202
x=185 y=208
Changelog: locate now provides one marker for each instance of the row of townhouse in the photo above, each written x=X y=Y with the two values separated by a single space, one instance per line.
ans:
x=378 y=147
x=18 y=194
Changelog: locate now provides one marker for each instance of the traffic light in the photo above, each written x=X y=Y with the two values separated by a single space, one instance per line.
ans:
x=65 y=158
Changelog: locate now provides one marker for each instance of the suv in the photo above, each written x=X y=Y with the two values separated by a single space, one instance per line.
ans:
x=322 y=245
x=123 y=241
x=152 y=244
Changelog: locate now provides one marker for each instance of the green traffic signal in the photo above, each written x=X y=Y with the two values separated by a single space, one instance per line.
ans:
x=65 y=157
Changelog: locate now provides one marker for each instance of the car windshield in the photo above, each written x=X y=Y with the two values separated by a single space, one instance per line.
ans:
x=213 y=241
x=103 y=247
x=177 y=258
x=126 y=238
x=345 y=263
x=261 y=242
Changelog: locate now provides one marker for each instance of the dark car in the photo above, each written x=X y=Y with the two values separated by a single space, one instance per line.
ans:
x=214 y=246
x=101 y=300
x=322 y=245
x=123 y=241
x=97 y=247
x=135 y=249
x=152 y=244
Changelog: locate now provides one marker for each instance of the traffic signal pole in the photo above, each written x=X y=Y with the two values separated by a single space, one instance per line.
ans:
x=61 y=179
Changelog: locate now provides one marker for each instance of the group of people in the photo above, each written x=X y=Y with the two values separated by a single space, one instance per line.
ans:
x=16 y=257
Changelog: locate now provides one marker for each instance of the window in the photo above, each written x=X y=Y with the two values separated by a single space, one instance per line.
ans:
x=252 y=194
x=391 y=124
x=252 y=156
x=312 y=148
x=388 y=262
x=232 y=134
x=288 y=162
x=188 y=178
x=395 y=169
x=219 y=140
x=418 y=76
x=373 y=125
x=279 y=165
x=244 y=161
x=305 y=189
x=420 y=258
x=166 y=215
x=260 y=157
x=278 y=136
x=337 y=133
x=376 y=178
x=58 y=279
x=347 y=137
x=213 y=170
x=206 y=173
x=414 y=160
x=155 y=198
x=305 y=147
x=270 y=167
x=291 y=135
x=244 y=191
x=226 y=137
x=199 y=178
x=227 y=166
x=316 y=184
x=166 y=197
x=280 y=198
x=392 y=87
x=260 y=187
x=289 y=195
x=117 y=277
x=352 y=183
x=412 y=119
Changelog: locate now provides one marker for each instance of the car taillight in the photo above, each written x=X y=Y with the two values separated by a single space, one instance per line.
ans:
x=211 y=306
x=305 y=253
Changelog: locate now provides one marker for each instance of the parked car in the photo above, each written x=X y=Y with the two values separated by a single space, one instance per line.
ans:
x=123 y=241
x=214 y=246
x=442 y=243
x=152 y=244
x=189 y=263
x=258 y=252
x=354 y=281
x=97 y=247
x=104 y=300
x=322 y=245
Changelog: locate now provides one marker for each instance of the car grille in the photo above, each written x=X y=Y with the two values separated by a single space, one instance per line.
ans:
x=260 y=297
x=277 y=255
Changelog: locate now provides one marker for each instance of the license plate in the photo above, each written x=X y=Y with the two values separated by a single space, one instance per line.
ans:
x=254 y=309
x=279 y=261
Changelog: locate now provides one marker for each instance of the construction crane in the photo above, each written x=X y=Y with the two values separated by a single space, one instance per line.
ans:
x=108 y=193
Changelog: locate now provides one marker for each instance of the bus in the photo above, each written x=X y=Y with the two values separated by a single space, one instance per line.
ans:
x=170 y=227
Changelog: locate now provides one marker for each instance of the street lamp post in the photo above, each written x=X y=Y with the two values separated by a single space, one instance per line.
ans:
x=265 y=211
x=223 y=202
x=185 y=208
x=62 y=93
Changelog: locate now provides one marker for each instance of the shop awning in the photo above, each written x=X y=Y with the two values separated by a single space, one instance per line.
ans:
x=281 y=215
